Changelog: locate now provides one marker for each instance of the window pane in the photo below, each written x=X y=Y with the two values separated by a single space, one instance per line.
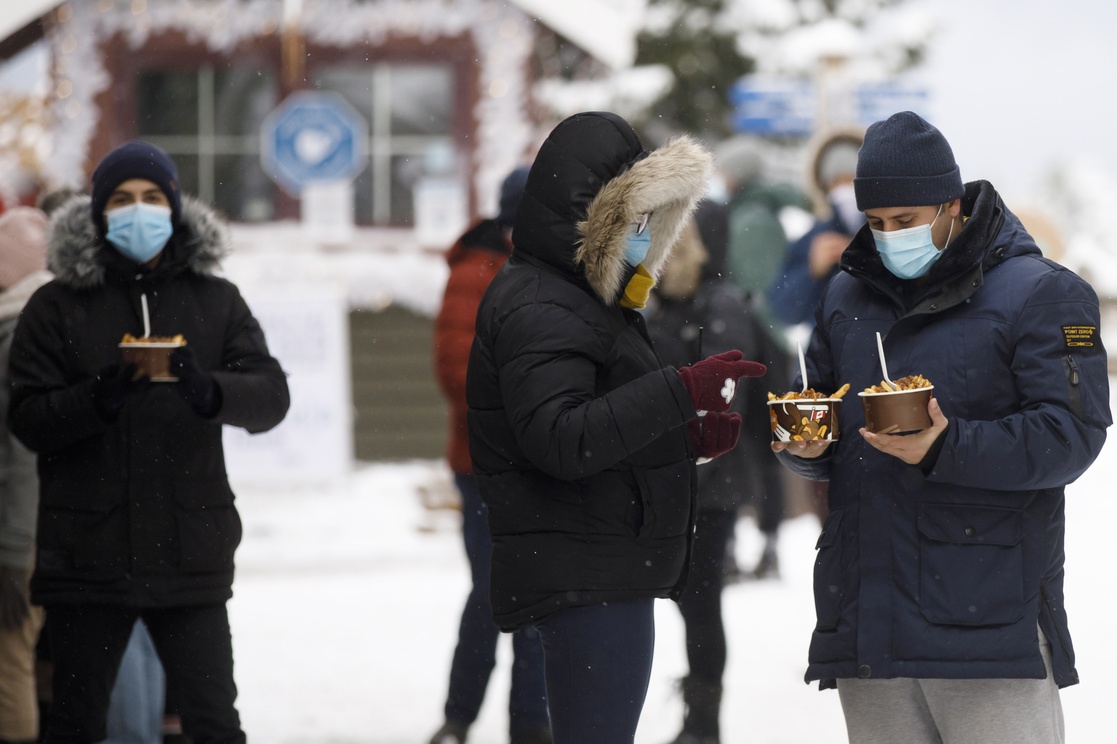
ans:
x=406 y=172
x=187 y=172
x=243 y=190
x=422 y=99
x=362 y=195
x=353 y=83
x=243 y=97
x=167 y=103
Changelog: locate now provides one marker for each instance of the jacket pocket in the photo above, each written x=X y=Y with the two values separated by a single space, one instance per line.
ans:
x=209 y=528
x=666 y=495
x=971 y=564
x=828 y=585
x=84 y=529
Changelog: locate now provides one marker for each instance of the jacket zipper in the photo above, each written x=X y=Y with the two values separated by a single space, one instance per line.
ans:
x=1074 y=392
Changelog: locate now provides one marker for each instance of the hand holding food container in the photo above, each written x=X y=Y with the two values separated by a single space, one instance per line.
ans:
x=150 y=354
x=805 y=416
x=896 y=407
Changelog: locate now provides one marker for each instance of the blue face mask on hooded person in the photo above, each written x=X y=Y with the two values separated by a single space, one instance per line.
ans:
x=139 y=231
x=639 y=241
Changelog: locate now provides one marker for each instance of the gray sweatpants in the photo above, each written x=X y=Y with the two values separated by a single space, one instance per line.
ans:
x=954 y=711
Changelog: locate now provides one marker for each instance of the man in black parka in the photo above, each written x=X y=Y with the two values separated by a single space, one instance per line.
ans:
x=136 y=517
x=578 y=434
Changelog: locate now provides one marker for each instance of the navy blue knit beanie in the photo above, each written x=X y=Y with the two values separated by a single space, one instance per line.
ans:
x=905 y=162
x=134 y=159
x=510 y=192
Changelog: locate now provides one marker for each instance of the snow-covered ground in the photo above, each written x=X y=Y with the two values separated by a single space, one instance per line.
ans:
x=347 y=601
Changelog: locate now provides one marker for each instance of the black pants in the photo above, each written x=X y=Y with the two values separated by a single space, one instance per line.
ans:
x=193 y=643
x=700 y=601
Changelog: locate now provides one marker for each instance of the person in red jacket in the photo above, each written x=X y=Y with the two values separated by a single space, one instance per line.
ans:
x=474 y=260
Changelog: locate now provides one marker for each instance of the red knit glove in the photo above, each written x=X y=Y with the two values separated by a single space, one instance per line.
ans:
x=714 y=434
x=713 y=381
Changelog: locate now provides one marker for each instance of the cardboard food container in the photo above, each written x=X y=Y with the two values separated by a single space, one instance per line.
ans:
x=804 y=419
x=152 y=358
x=897 y=412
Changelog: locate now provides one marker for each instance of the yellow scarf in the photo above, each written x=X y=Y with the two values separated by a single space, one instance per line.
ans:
x=637 y=290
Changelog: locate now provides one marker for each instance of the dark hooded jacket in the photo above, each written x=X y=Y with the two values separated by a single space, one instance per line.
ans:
x=576 y=430
x=138 y=510
x=945 y=569
x=699 y=312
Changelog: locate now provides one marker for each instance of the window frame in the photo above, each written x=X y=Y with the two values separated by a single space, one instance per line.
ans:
x=118 y=105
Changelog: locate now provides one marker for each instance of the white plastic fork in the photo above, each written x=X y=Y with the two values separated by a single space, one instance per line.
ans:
x=884 y=365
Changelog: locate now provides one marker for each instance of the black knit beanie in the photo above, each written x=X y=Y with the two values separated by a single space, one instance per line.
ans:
x=905 y=162
x=510 y=192
x=134 y=159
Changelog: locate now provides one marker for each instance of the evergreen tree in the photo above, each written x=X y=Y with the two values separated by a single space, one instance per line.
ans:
x=709 y=44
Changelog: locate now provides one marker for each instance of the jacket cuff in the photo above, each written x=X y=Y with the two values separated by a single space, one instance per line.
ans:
x=927 y=464
x=680 y=394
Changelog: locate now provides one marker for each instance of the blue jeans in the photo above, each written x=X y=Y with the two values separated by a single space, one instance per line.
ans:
x=475 y=655
x=136 y=705
x=599 y=662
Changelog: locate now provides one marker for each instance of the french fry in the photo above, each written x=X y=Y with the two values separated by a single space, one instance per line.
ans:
x=910 y=382
x=808 y=394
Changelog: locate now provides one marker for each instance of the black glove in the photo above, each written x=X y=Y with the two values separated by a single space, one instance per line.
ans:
x=14 y=602
x=113 y=385
x=196 y=385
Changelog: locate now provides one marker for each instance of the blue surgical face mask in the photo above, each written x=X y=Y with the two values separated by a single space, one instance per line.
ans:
x=909 y=253
x=639 y=241
x=139 y=231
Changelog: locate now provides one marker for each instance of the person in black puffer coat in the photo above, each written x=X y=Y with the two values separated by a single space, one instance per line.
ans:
x=582 y=442
x=136 y=516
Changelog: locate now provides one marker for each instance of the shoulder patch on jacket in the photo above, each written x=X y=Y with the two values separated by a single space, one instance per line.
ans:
x=1078 y=336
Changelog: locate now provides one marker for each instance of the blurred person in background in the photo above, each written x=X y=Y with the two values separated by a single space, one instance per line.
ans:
x=812 y=260
x=474 y=260
x=758 y=239
x=23 y=263
x=583 y=444
x=136 y=516
x=758 y=242
x=697 y=311
x=940 y=613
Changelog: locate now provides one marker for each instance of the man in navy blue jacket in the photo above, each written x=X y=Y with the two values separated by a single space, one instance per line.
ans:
x=939 y=577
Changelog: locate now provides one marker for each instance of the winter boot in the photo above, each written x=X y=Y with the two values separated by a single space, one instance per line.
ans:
x=702 y=699
x=450 y=733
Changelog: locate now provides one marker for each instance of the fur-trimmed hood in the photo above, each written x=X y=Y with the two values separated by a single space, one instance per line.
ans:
x=80 y=257
x=590 y=182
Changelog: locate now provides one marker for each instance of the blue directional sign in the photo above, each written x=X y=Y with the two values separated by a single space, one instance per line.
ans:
x=313 y=136
x=787 y=107
x=773 y=107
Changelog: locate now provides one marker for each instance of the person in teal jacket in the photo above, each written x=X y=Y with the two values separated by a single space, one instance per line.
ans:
x=939 y=576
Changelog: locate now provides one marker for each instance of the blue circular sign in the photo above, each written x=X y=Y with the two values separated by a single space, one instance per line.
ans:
x=313 y=136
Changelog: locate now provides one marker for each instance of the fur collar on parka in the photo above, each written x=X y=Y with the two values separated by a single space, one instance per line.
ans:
x=590 y=182
x=81 y=259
